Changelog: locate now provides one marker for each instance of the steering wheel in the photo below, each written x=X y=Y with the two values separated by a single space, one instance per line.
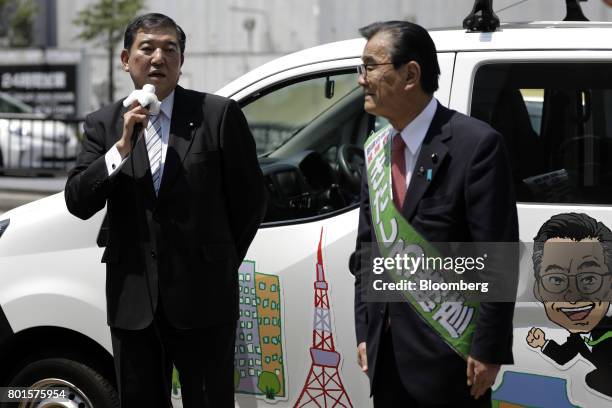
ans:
x=351 y=161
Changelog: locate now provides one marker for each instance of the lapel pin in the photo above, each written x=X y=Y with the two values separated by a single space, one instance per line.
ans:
x=421 y=171
x=429 y=174
x=434 y=158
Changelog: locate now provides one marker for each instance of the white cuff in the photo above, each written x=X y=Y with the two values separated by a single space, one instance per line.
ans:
x=113 y=160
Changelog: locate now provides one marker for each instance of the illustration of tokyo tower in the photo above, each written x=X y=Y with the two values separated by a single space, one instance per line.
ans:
x=323 y=387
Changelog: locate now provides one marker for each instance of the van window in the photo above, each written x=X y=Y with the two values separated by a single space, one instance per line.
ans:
x=278 y=114
x=556 y=119
x=309 y=132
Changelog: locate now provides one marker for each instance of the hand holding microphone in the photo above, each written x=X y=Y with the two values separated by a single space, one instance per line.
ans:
x=146 y=98
x=142 y=102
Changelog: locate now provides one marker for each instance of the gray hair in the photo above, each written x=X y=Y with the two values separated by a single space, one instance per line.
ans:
x=575 y=226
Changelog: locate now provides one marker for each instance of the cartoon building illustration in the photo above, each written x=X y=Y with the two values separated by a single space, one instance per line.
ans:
x=258 y=361
x=269 y=322
x=248 y=349
x=323 y=387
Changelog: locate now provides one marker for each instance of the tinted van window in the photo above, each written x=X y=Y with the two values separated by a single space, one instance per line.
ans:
x=556 y=119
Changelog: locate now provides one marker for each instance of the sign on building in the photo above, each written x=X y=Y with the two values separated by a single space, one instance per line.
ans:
x=49 y=89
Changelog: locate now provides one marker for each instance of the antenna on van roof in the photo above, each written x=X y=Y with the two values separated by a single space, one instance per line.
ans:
x=574 y=11
x=481 y=18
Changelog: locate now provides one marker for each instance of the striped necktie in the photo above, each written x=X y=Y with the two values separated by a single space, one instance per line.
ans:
x=154 y=147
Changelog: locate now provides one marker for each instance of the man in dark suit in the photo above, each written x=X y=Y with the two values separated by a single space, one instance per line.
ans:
x=452 y=183
x=570 y=248
x=183 y=206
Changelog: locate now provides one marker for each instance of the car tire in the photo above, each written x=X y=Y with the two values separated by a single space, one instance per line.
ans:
x=87 y=387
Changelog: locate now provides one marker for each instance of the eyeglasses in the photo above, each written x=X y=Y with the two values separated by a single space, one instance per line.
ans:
x=362 y=70
x=586 y=282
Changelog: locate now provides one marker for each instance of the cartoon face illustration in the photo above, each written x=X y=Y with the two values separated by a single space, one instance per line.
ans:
x=574 y=283
x=572 y=262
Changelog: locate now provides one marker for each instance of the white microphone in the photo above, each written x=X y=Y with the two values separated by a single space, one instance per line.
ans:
x=146 y=98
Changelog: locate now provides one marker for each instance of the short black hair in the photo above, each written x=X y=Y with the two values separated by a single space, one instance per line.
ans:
x=411 y=42
x=575 y=226
x=149 y=21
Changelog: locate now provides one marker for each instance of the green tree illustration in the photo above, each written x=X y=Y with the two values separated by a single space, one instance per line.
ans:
x=104 y=22
x=268 y=384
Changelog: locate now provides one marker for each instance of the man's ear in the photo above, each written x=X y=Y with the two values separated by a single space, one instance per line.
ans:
x=412 y=71
x=608 y=295
x=125 y=56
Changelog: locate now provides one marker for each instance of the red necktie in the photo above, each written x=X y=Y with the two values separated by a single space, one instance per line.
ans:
x=398 y=170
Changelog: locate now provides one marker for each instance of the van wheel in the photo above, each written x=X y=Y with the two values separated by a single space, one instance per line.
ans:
x=85 y=388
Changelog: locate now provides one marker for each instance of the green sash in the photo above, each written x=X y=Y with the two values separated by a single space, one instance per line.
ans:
x=449 y=314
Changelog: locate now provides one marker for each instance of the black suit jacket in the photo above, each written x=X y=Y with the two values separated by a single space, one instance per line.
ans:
x=600 y=355
x=469 y=198
x=187 y=242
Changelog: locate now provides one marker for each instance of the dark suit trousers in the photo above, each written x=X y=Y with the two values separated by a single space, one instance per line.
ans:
x=389 y=392
x=204 y=359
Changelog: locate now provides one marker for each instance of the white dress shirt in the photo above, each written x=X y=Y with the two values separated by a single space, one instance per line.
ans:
x=113 y=158
x=414 y=133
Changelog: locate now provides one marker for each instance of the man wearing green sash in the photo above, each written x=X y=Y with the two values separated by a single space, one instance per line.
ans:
x=434 y=175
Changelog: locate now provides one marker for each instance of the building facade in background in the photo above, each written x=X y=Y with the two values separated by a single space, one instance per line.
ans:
x=227 y=38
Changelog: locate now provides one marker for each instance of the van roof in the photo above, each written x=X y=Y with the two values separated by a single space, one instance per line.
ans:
x=536 y=35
